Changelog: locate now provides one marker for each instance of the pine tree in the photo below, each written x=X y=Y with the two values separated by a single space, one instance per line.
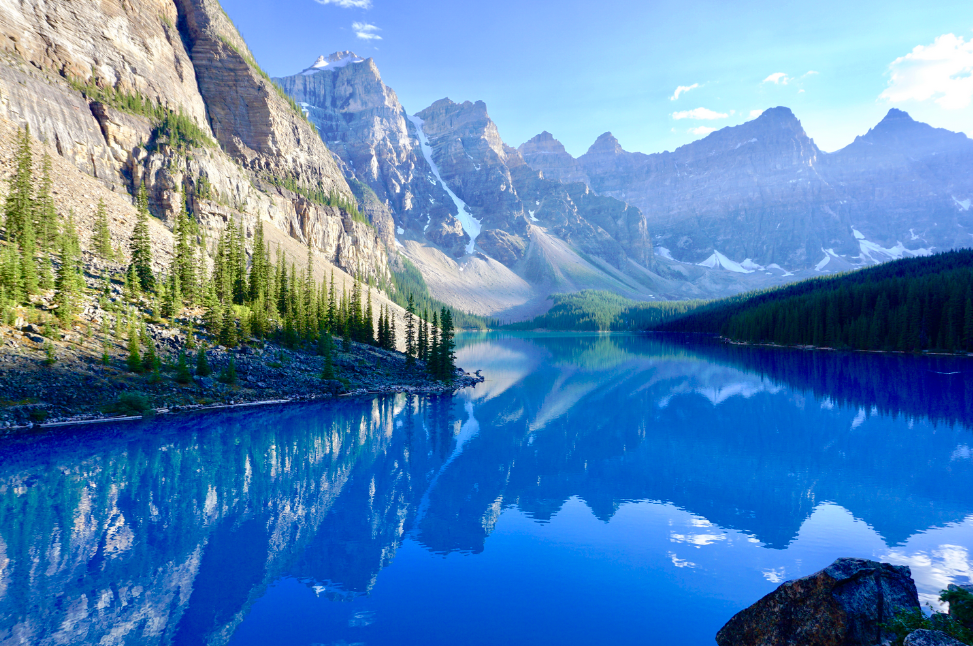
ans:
x=332 y=315
x=45 y=213
x=140 y=243
x=19 y=208
x=213 y=316
x=328 y=347
x=258 y=265
x=228 y=334
x=102 y=233
x=191 y=336
x=239 y=261
x=368 y=323
x=202 y=363
x=355 y=316
x=447 y=357
x=388 y=331
x=411 y=349
x=228 y=374
x=69 y=283
x=28 y=264
x=182 y=369
x=134 y=360
x=183 y=265
x=432 y=359
x=423 y=345
x=150 y=362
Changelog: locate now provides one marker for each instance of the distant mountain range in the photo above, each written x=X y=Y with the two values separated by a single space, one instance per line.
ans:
x=764 y=191
x=743 y=208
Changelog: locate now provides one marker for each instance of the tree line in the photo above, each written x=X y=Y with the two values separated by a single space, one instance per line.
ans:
x=601 y=311
x=243 y=296
x=908 y=305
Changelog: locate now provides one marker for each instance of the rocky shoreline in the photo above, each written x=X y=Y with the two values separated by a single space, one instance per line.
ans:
x=77 y=379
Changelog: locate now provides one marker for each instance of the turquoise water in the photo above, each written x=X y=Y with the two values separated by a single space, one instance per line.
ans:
x=619 y=489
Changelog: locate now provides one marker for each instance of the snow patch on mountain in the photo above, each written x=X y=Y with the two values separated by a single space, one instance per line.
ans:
x=470 y=224
x=718 y=260
x=777 y=267
x=875 y=253
x=964 y=205
x=333 y=62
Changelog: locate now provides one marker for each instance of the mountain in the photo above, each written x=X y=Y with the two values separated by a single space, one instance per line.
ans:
x=489 y=233
x=117 y=103
x=762 y=194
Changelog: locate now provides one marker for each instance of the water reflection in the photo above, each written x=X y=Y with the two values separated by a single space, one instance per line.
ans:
x=637 y=483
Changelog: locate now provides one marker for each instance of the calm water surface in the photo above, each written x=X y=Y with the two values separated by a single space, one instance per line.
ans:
x=619 y=489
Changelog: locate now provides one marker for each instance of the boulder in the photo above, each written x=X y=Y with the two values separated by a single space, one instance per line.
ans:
x=845 y=604
x=930 y=638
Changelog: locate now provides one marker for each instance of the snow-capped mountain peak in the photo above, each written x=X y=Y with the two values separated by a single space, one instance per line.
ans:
x=335 y=61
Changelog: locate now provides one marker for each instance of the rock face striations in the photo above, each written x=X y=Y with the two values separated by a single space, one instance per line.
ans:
x=763 y=191
x=93 y=81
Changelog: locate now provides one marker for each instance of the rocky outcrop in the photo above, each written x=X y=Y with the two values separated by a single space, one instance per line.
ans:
x=367 y=128
x=924 y=637
x=467 y=148
x=845 y=604
x=547 y=154
x=251 y=121
x=508 y=249
x=764 y=191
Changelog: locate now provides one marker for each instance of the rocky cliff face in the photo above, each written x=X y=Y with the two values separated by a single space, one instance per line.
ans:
x=546 y=153
x=70 y=71
x=763 y=192
x=368 y=129
x=509 y=198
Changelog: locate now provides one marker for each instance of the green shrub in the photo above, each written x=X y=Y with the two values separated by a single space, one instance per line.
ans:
x=909 y=621
x=130 y=403
x=228 y=374
x=38 y=415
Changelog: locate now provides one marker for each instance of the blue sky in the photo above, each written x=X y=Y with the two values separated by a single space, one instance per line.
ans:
x=578 y=68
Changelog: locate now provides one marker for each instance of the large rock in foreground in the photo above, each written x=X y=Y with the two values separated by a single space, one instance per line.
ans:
x=930 y=638
x=844 y=604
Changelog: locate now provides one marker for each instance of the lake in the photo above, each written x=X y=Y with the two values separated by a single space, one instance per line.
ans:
x=618 y=489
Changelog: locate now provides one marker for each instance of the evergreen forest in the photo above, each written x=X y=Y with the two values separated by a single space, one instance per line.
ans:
x=601 y=311
x=239 y=296
x=909 y=305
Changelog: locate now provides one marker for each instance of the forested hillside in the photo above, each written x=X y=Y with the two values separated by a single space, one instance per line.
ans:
x=592 y=310
x=907 y=305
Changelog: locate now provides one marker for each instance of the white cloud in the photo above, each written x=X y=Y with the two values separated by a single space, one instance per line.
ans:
x=348 y=4
x=700 y=114
x=755 y=113
x=777 y=78
x=682 y=89
x=942 y=71
x=702 y=131
x=365 y=31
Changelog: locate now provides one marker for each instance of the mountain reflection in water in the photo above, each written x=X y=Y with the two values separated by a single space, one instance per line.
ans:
x=623 y=488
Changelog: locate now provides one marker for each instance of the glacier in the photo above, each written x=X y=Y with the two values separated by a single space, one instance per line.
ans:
x=470 y=224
